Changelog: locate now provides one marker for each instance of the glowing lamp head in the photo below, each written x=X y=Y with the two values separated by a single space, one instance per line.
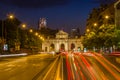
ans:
x=106 y=17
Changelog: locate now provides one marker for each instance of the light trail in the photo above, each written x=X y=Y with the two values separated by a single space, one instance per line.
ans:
x=67 y=67
x=70 y=77
x=52 y=66
x=84 y=71
x=88 y=67
x=12 y=55
x=58 y=77
x=74 y=68
x=108 y=62
x=79 y=70
x=117 y=77
x=99 y=72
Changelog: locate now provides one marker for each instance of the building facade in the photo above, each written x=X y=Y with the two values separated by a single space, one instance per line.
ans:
x=117 y=14
x=62 y=43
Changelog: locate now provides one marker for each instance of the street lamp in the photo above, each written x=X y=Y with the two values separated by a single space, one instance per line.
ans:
x=36 y=33
x=106 y=17
x=2 y=29
x=95 y=24
x=30 y=30
x=23 y=25
x=39 y=36
x=10 y=16
x=42 y=38
x=88 y=30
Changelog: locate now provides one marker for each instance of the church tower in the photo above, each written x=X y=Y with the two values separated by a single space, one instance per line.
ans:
x=42 y=23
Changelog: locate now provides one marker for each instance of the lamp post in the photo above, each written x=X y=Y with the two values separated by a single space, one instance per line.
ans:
x=23 y=25
x=36 y=33
x=106 y=19
x=5 y=47
x=30 y=30
x=88 y=30
x=95 y=24
x=2 y=36
x=2 y=30
x=17 y=43
x=10 y=16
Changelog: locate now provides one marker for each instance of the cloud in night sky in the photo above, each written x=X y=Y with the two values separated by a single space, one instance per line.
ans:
x=34 y=3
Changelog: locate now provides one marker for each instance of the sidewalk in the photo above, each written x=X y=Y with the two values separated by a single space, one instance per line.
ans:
x=12 y=55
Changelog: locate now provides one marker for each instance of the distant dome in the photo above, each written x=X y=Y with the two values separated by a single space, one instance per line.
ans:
x=61 y=34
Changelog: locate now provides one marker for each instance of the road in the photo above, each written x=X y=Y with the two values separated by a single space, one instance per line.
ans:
x=25 y=68
x=65 y=66
x=89 y=66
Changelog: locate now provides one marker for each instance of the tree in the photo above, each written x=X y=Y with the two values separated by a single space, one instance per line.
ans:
x=10 y=30
x=97 y=16
x=101 y=29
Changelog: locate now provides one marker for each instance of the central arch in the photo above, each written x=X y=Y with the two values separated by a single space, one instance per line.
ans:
x=62 y=47
x=52 y=47
x=72 y=46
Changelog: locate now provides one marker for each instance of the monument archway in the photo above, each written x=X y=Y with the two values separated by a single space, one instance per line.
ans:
x=72 y=46
x=62 y=47
x=52 y=47
x=61 y=43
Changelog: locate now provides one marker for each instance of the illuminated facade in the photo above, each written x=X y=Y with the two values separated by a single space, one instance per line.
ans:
x=61 y=43
x=42 y=23
x=117 y=14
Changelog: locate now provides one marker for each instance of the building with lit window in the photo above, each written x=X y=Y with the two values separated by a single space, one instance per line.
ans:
x=62 y=43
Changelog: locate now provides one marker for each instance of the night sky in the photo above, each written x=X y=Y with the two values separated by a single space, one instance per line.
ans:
x=60 y=14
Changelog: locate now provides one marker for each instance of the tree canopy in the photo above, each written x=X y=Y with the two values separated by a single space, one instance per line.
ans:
x=101 y=30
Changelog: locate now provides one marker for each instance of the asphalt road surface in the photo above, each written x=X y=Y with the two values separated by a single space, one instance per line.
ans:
x=64 y=66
